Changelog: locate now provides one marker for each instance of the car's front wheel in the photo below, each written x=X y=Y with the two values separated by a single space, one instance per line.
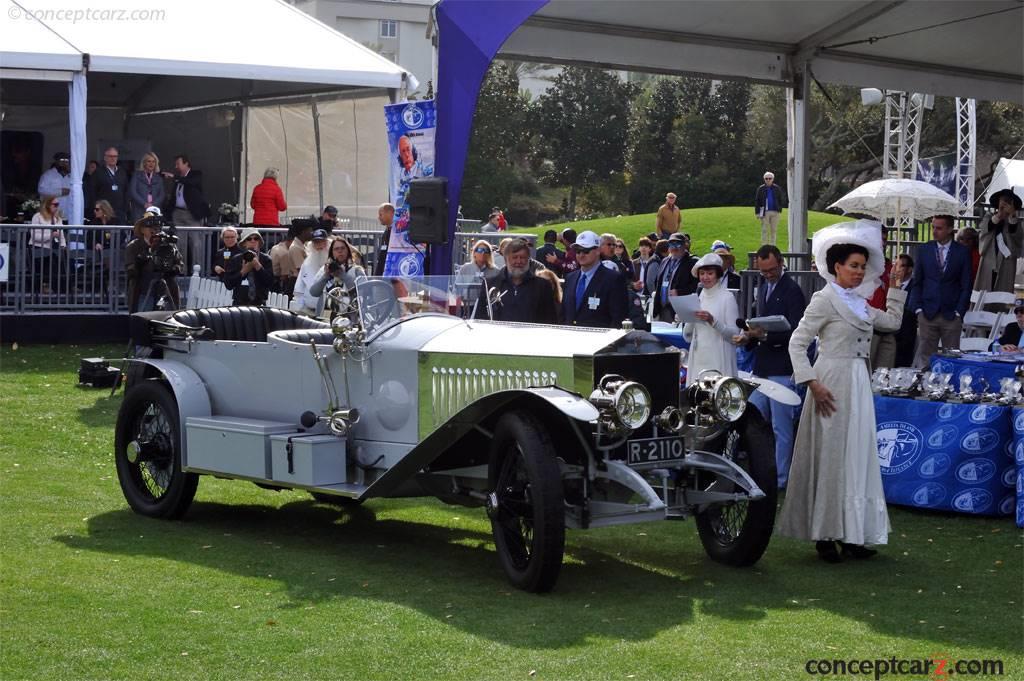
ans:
x=526 y=506
x=737 y=533
x=147 y=453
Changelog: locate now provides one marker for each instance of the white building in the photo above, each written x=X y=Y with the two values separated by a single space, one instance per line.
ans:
x=397 y=29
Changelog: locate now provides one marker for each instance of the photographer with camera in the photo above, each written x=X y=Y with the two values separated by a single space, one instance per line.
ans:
x=152 y=262
x=343 y=268
x=250 y=274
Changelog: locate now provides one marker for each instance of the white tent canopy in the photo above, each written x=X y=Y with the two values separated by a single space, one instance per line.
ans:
x=1009 y=174
x=939 y=47
x=126 y=61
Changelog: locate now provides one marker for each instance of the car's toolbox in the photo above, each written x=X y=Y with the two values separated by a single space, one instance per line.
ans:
x=313 y=460
x=231 y=444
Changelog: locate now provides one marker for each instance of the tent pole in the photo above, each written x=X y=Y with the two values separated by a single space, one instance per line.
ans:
x=243 y=169
x=798 y=100
x=319 y=158
x=77 y=121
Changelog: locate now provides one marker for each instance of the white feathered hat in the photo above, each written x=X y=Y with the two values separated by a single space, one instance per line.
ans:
x=866 y=233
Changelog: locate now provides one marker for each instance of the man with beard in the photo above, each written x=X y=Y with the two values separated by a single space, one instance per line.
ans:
x=521 y=295
x=317 y=252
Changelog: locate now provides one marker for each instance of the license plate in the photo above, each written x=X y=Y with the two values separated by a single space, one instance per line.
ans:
x=654 y=450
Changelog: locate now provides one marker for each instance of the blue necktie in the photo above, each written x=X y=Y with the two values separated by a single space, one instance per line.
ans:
x=581 y=289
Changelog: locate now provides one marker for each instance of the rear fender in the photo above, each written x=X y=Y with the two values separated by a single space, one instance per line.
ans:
x=189 y=393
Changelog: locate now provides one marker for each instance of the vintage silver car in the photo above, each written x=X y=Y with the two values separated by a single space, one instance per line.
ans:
x=546 y=427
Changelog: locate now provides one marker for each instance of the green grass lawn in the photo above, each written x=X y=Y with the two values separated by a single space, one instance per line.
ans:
x=736 y=225
x=255 y=584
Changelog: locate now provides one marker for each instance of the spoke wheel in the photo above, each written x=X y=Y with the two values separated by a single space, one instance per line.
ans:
x=527 y=506
x=147 y=453
x=737 y=533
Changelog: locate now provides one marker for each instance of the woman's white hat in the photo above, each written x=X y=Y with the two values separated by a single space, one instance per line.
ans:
x=708 y=260
x=866 y=233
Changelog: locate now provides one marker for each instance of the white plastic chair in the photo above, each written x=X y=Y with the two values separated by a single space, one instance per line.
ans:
x=1001 y=298
x=978 y=323
x=975 y=344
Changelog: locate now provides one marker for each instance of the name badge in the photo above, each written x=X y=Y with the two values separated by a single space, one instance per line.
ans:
x=114 y=187
x=593 y=303
x=227 y=255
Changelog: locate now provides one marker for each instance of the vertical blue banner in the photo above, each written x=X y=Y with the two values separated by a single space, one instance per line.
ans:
x=410 y=128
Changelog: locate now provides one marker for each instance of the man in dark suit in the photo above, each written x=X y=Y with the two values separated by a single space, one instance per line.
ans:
x=777 y=294
x=675 y=276
x=594 y=295
x=906 y=337
x=188 y=207
x=941 y=291
x=109 y=183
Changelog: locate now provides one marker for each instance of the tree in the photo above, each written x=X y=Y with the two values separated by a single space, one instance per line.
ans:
x=582 y=119
x=650 y=159
x=496 y=165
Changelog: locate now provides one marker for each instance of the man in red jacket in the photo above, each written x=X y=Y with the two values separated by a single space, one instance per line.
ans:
x=267 y=200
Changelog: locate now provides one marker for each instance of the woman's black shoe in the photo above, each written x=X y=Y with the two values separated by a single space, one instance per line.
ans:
x=827 y=551
x=857 y=551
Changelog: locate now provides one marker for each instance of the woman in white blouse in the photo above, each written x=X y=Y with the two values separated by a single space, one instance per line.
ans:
x=46 y=242
x=711 y=344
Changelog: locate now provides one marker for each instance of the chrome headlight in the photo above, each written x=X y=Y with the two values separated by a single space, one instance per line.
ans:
x=623 y=403
x=729 y=398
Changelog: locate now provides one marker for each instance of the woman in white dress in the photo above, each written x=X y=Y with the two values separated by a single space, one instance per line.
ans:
x=710 y=337
x=835 y=484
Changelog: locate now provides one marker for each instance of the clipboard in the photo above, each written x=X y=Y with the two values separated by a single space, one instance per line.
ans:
x=685 y=307
x=770 y=323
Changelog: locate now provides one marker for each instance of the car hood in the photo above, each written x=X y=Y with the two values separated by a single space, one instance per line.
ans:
x=532 y=340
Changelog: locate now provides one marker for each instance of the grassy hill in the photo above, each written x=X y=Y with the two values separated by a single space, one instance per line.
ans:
x=736 y=225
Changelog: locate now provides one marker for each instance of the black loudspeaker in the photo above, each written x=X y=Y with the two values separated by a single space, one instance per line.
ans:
x=427 y=199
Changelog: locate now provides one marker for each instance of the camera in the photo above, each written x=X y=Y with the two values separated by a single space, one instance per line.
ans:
x=165 y=253
x=333 y=267
x=248 y=256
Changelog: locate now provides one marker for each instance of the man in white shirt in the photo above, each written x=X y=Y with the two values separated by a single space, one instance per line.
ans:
x=57 y=182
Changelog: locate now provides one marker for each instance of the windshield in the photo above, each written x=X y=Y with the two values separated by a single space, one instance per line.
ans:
x=385 y=299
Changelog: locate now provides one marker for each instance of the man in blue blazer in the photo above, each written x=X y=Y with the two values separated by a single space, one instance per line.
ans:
x=593 y=295
x=777 y=294
x=941 y=290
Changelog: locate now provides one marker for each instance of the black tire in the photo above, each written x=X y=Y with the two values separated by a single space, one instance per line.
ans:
x=738 y=533
x=335 y=500
x=527 y=507
x=147 y=431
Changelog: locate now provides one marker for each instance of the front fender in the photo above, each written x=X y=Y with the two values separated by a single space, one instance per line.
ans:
x=189 y=393
x=552 y=400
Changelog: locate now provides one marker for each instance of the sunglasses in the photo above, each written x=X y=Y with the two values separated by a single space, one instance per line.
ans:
x=55 y=204
x=675 y=245
x=580 y=249
x=481 y=250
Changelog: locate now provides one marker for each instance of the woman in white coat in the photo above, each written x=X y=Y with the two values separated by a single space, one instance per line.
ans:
x=835 y=484
x=711 y=345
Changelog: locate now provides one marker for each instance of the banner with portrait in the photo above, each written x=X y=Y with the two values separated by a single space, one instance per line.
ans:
x=939 y=171
x=410 y=128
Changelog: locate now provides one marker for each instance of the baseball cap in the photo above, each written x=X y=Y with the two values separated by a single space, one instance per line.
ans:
x=720 y=245
x=62 y=156
x=1018 y=304
x=587 y=240
x=319 y=235
x=678 y=238
x=331 y=209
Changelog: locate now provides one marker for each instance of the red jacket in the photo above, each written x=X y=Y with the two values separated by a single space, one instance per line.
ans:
x=267 y=201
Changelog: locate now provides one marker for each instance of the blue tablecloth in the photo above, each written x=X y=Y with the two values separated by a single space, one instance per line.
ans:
x=945 y=456
x=978 y=366
x=1018 y=457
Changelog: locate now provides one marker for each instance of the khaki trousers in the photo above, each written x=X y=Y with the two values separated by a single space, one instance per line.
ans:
x=769 y=225
x=883 y=350
x=930 y=332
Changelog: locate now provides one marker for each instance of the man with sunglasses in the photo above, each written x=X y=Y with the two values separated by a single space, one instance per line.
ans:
x=593 y=295
x=675 y=277
x=250 y=274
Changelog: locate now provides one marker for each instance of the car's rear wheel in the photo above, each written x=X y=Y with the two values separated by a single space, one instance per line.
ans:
x=526 y=506
x=147 y=453
x=737 y=533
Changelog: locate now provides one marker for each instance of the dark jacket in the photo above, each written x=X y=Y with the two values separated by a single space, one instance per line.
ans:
x=683 y=281
x=139 y=187
x=934 y=291
x=906 y=337
x=771 y=353
x=192 y=192
x=759 y=198
x=382 y=252
x=550 y=249
x=531 y=301
x=142 y=273
x=102 y=185
x=262 y=279
x=1011 y=335
x=607 y=288
x=222 y=256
